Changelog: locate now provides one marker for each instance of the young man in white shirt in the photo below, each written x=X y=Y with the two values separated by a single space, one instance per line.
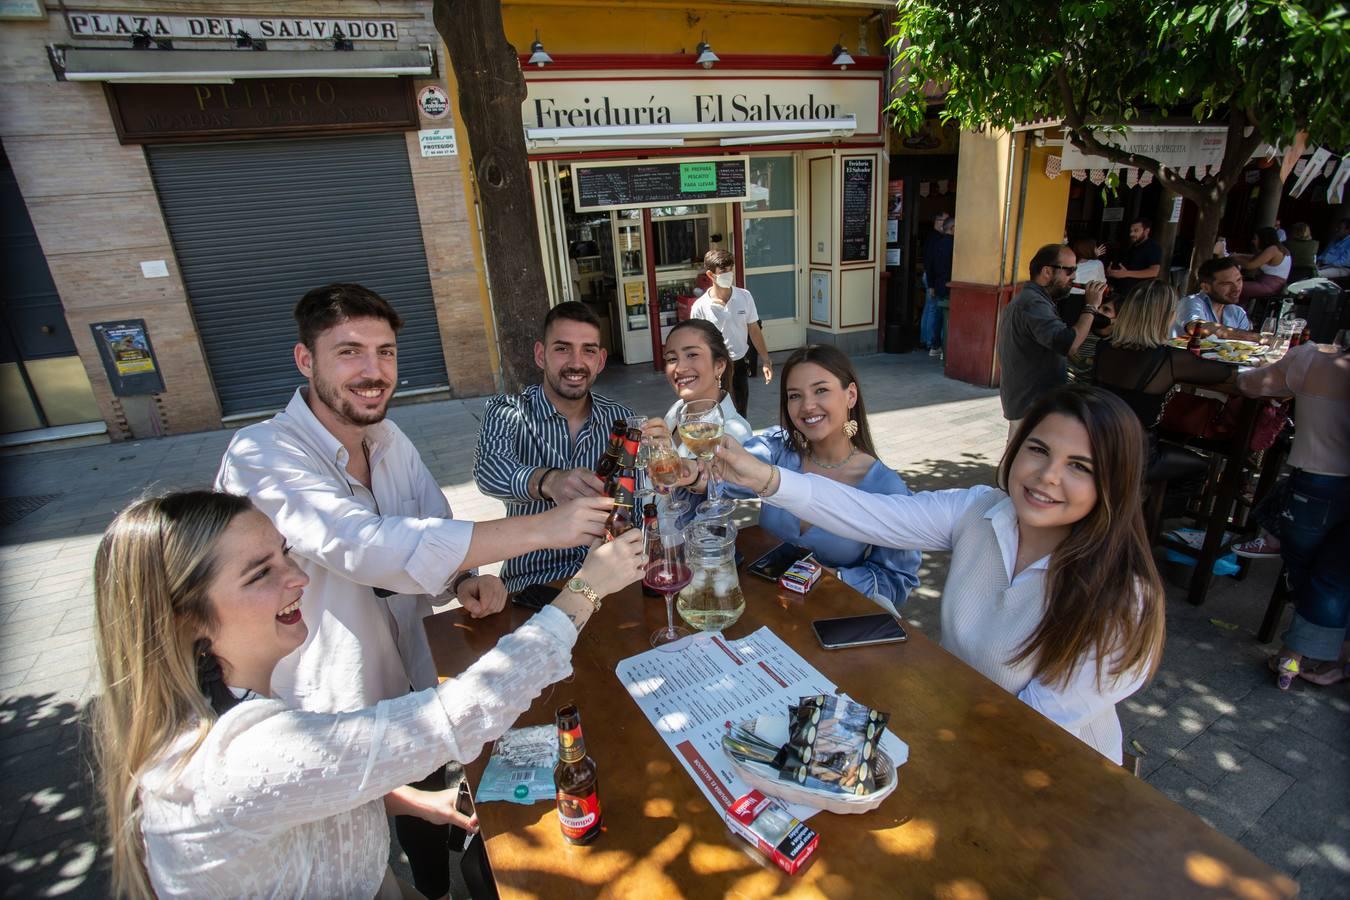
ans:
x=732 y=310
x=370 y=527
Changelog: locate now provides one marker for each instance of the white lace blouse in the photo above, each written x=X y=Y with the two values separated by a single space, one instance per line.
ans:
x=284 y=803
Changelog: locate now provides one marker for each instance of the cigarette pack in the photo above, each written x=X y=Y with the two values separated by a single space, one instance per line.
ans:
x=767 y=824
x=801 y=576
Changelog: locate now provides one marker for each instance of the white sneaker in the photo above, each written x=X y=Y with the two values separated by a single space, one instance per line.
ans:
x=935 y=352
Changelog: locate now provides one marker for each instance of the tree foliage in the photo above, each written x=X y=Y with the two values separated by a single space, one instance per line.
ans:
x=1267 y=69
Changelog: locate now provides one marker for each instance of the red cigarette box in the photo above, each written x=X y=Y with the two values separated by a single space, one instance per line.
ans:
x=767 y=824
x=801 y=576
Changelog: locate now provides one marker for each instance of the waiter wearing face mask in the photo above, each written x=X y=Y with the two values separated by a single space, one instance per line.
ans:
x=732 y=310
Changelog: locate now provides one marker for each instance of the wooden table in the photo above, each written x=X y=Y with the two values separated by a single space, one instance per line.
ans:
x=995 y=801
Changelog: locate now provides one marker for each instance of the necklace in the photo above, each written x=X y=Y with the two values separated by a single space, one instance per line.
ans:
x=852 y=452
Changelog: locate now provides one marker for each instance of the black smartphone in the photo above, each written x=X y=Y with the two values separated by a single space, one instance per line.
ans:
x=773 y=564
x=858 y=631
x=464 y=806
x=535 y=596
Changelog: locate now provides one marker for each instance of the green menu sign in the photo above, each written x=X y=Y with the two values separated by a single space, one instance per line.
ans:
x=697 y=177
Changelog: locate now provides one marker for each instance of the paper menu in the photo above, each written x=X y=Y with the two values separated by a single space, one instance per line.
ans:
x=691 y=694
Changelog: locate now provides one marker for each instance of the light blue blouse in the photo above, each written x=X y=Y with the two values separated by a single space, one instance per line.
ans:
x=882 y=574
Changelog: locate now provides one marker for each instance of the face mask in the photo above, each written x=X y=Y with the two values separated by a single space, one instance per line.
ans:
x=725 y=280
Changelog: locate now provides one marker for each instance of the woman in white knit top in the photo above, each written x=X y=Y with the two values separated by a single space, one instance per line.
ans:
x=214 y=790
x=1052 y=592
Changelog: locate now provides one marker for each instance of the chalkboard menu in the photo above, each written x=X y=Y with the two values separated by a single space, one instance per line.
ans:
x=856 y=244
x=639 y=184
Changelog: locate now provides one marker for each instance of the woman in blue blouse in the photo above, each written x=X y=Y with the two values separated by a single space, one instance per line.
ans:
x=824 y=432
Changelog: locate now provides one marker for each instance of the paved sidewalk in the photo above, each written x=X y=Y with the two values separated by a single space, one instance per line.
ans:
x=1271 y=770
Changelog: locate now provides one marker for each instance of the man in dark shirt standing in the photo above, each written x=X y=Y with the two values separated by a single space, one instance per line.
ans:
x=1033 y=341
x=937 y=270
x=1142 y=263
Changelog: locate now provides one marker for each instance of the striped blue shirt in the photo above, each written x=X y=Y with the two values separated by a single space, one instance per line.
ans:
x=522 y=433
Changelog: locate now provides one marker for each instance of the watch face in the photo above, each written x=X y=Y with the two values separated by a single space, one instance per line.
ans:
x=576 y=585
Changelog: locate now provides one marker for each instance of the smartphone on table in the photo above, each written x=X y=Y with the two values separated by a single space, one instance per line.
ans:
x=535 y=596
x=773 y=564
x=858 y=631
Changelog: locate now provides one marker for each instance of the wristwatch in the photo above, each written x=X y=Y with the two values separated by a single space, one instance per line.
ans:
x=579 y=586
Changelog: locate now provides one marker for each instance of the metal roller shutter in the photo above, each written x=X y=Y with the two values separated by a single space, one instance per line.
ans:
x=256 y=224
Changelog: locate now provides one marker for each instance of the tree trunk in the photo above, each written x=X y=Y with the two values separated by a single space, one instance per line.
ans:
x=491 y=91
x=1210 y=212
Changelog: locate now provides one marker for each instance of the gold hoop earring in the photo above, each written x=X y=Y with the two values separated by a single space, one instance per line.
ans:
x=851 y=428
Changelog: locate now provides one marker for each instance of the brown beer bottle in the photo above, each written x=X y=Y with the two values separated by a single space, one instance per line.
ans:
x=576 y=781
x=624 y=515
x=609 y=463
x=651 y=525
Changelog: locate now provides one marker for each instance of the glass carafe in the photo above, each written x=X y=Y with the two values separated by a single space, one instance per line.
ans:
x=713 y=600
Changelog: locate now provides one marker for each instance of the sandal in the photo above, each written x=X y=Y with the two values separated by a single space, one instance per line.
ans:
x=1286 y=670
x=1326 y=673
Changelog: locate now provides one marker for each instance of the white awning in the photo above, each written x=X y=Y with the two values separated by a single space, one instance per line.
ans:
x=674 y=134
x=128 y=66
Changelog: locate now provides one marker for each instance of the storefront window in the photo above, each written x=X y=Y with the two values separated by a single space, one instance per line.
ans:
x=770 y=236
x=771 y=185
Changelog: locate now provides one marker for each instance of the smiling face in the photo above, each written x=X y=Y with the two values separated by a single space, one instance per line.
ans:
x=690 y=367
x=571 y=357
x=817 y=404
x=1051 y=480
x=352 y=371
x=255 y=597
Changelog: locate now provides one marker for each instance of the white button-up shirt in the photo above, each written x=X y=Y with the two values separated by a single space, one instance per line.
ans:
x=397 y=536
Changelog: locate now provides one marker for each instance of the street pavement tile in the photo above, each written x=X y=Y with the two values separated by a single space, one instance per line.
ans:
x=1211 y=757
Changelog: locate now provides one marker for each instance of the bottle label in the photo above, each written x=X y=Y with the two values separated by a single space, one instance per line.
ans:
x=576 y=814
x=571 y=747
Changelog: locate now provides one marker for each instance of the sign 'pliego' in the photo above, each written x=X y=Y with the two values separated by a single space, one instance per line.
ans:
x=608 y=100
x=86 y=24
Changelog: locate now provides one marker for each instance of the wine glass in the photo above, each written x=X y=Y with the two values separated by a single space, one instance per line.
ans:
x=667 y=573
x=1268 y=331
x=663 y=467
x=701 y=426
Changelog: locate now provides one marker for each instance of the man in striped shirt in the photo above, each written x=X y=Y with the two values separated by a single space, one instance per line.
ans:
x=539 y=447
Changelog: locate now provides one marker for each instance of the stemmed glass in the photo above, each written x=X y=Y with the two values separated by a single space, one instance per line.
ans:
x=701 y=426
x=667 y=573
x=663 y=467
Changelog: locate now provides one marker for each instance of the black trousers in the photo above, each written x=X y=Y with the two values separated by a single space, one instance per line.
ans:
x=740 y=384
x=429 y=847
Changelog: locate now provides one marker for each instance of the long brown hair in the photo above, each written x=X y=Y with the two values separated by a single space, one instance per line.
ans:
x=150 y=577
x=1102 y=592
x=832 y=360
x=717 y=345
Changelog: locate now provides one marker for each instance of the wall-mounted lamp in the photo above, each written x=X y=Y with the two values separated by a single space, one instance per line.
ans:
x=841 y=57
x=341 y=41
x=538 y=55
x=706 y=56
x=142 y=40
x=245 y=41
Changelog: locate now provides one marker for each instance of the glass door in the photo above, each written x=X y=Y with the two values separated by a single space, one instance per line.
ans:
x=631 y=250
x=769 y=225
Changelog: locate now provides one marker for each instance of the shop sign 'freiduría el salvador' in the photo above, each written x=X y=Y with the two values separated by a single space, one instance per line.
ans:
x=610 y=101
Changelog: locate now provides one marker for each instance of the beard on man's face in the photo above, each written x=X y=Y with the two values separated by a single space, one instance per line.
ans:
x=344 y=407
x=577 y=387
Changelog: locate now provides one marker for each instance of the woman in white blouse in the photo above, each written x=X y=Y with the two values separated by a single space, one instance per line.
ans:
x=214 y=790
x=1052 y=592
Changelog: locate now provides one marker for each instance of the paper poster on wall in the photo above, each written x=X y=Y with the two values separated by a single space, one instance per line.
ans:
x=128 y=357
x=892 y=230
x=633 y=294
x=892 y=256
x=895 y=191
x=1176 y=210
x=820 y=298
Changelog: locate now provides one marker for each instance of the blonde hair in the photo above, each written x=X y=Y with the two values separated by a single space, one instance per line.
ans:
x=150 y=577
x=1300 y=231
x=1144 y=320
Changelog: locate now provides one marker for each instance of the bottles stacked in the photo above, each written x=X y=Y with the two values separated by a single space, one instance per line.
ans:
x=621 y=484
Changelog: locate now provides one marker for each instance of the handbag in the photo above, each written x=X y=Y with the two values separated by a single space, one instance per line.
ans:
x=1214 y=419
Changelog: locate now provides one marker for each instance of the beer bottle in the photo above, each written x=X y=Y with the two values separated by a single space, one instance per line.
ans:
x=623 y=516
x=576 y=781
x=609 y=462
x=651 y=526
x=1306 y=336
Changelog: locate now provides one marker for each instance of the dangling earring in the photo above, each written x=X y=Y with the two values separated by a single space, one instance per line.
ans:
x=800 y=439
x=851 y=428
